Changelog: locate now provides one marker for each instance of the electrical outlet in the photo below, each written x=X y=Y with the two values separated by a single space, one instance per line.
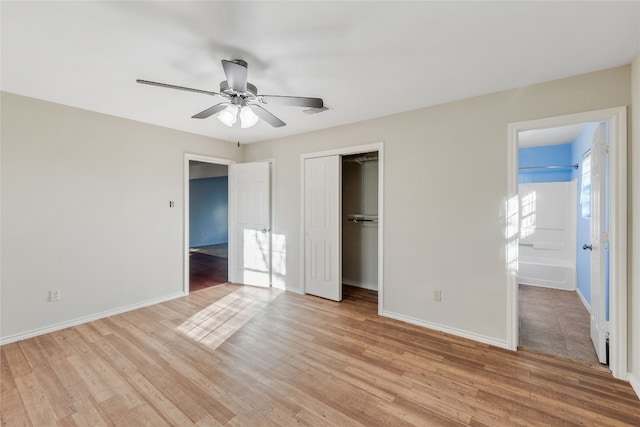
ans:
x=437 y=295
x=54 y=295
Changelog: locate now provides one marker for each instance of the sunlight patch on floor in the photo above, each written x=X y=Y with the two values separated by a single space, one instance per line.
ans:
x=214 y=324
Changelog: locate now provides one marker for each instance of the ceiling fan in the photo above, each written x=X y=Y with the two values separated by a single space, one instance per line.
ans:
x=243 y=100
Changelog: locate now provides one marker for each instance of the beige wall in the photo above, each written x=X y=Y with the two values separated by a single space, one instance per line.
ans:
x=85 y=209
x=444 y=196
x=634 y=252
x=85 y=204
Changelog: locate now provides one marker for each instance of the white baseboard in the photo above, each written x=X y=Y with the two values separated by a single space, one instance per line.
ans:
x=635 y=383
x=453 y=331
x=355 y=284
x=298 y=291
x=80 y=320
x=584 y=301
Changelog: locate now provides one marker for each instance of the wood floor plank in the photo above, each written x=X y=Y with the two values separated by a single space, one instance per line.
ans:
x=35 y=401
x=235 y=356
x=12 y=410
x=160 y=402
x=16 y=360
x=88 y=413
x=55 y=392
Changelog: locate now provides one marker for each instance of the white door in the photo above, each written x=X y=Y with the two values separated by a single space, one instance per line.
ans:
x=250 y=224
x=322 y=207
x=599 y=241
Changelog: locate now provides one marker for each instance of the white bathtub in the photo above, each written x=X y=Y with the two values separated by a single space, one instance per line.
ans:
x=548 y=274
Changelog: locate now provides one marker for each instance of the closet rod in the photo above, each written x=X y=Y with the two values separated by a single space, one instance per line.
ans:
x=360 y=160
x=575 y=166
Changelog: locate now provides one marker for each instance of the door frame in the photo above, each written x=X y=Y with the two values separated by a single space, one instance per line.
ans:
x=616 y=119
x=358 y=149
x=185 y=191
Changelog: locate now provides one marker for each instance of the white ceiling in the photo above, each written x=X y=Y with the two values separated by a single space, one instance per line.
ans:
x=365 y=59
x=549 y=136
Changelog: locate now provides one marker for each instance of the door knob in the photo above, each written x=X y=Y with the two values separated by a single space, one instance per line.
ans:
x=585 y=247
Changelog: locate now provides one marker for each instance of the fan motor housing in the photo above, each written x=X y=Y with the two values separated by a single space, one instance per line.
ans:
x=250 y=93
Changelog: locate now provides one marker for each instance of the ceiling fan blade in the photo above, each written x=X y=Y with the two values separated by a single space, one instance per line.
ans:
x=188 y=89
x=211 y=111
x=236 y=72
x=267 y=116
x=293 y=101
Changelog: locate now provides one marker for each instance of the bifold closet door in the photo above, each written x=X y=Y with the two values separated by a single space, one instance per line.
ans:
x=322 y=207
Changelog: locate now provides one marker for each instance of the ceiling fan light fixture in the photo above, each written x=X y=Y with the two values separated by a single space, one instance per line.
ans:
x=242 y=101
x=229 y=116
x=247 y=117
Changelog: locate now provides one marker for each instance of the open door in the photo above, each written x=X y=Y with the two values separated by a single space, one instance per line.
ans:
x=322 y=199
x=250 y=224
x=599 y=241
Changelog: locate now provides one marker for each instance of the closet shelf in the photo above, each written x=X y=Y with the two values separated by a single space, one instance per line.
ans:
x=356 y=218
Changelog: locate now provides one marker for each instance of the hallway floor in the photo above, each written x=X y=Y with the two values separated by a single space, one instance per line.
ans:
x=206 y=271
x=555 y=322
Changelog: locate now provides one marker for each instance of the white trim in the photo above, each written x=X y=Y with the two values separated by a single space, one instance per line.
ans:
x=185 y=219
x=379 y=147
x=512 y=246
x=86 y=319
x=448 y=330
x=617 y=120
x=635 y=384
x=584 y=301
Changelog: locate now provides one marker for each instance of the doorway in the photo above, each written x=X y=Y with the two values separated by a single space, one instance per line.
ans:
x=206 y=214
x=519 y=217
x=360 y=221
x=342 y=227
x=554 y=280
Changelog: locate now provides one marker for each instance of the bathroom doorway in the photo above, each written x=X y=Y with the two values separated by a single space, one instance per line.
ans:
x=554 y=288
x=540 y=252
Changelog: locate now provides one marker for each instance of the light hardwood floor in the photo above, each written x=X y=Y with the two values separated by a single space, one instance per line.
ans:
x=243 y=356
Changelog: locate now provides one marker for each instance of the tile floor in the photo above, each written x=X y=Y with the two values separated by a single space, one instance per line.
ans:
x=555 y=322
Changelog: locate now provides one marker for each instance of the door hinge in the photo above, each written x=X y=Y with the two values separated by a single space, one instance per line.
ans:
x=604 y=326
x=604 y=149
x=604 y=237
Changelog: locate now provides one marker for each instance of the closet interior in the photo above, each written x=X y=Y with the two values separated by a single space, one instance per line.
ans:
x=360 y=220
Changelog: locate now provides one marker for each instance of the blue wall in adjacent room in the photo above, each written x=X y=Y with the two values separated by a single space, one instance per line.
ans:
x=547 y=155
x=208 y=211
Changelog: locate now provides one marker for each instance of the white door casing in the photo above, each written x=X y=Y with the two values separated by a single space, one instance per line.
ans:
x=599 y=241
x=250 y=224
x=322 y=241
x=616 y=119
